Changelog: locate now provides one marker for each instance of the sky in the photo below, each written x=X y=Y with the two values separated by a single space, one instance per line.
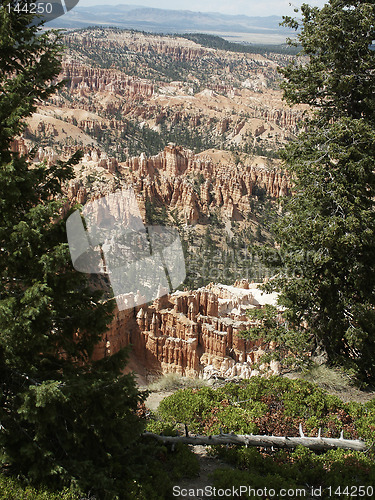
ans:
x=244 y=7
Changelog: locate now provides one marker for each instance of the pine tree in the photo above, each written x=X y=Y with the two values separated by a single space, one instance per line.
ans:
x=337 y=78
x=63 y=417
x=326 y=266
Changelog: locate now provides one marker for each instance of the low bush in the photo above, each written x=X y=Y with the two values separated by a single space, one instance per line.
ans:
x=277 y=406
x=13 y=489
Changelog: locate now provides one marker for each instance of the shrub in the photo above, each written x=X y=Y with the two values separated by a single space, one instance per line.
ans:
x=278 y=406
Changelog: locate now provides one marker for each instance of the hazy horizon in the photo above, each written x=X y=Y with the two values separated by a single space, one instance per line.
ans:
x=235 y=7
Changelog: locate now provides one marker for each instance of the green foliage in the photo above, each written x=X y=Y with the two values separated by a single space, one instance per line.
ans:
x=20 y=49
x=262 y=405
x=159 y=467
x=65 y=419
x=160 y=427
x=227 y=478
x=184 y=463
x=221 y=256
x=300 y=469
x=293 y=346
x=327 y=241
x=337 y=79
x=277 y=406
x=11 y=489
x=198 y=180
x=186 y=406
x=325 y=266
x=155 y=214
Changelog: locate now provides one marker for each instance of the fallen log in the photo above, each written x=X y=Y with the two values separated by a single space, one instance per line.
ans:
x=313 y=443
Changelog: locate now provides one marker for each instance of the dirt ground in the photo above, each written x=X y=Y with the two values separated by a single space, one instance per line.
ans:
x=208 y=464
x=154 y=399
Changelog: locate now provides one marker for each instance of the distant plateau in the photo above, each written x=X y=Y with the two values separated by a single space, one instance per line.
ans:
x=234 y=28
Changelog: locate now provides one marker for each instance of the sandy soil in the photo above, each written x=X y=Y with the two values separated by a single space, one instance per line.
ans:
x=154 y=399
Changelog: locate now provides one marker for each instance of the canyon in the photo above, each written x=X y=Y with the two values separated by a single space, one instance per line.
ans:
x=128 y=92
x=194 y=131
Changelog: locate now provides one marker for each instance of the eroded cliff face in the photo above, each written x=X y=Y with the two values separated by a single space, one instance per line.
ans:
x=177 y=49
x=196 y=184
x=230 y=98
x=85 y=78
x=19 y=146
x=176 y=178
x=192 y=333
x=223 y=112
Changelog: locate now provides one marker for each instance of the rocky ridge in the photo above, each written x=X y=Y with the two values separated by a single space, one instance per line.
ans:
x=195 y=184
x=83 y=78
x=168 y=179
x=177 y=178
x=229 y=99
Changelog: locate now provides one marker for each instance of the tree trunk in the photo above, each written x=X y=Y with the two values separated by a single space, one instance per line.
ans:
x=313 y=443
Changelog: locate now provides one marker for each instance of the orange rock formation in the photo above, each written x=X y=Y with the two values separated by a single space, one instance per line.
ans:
x=167 y=178
x=194 y=334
